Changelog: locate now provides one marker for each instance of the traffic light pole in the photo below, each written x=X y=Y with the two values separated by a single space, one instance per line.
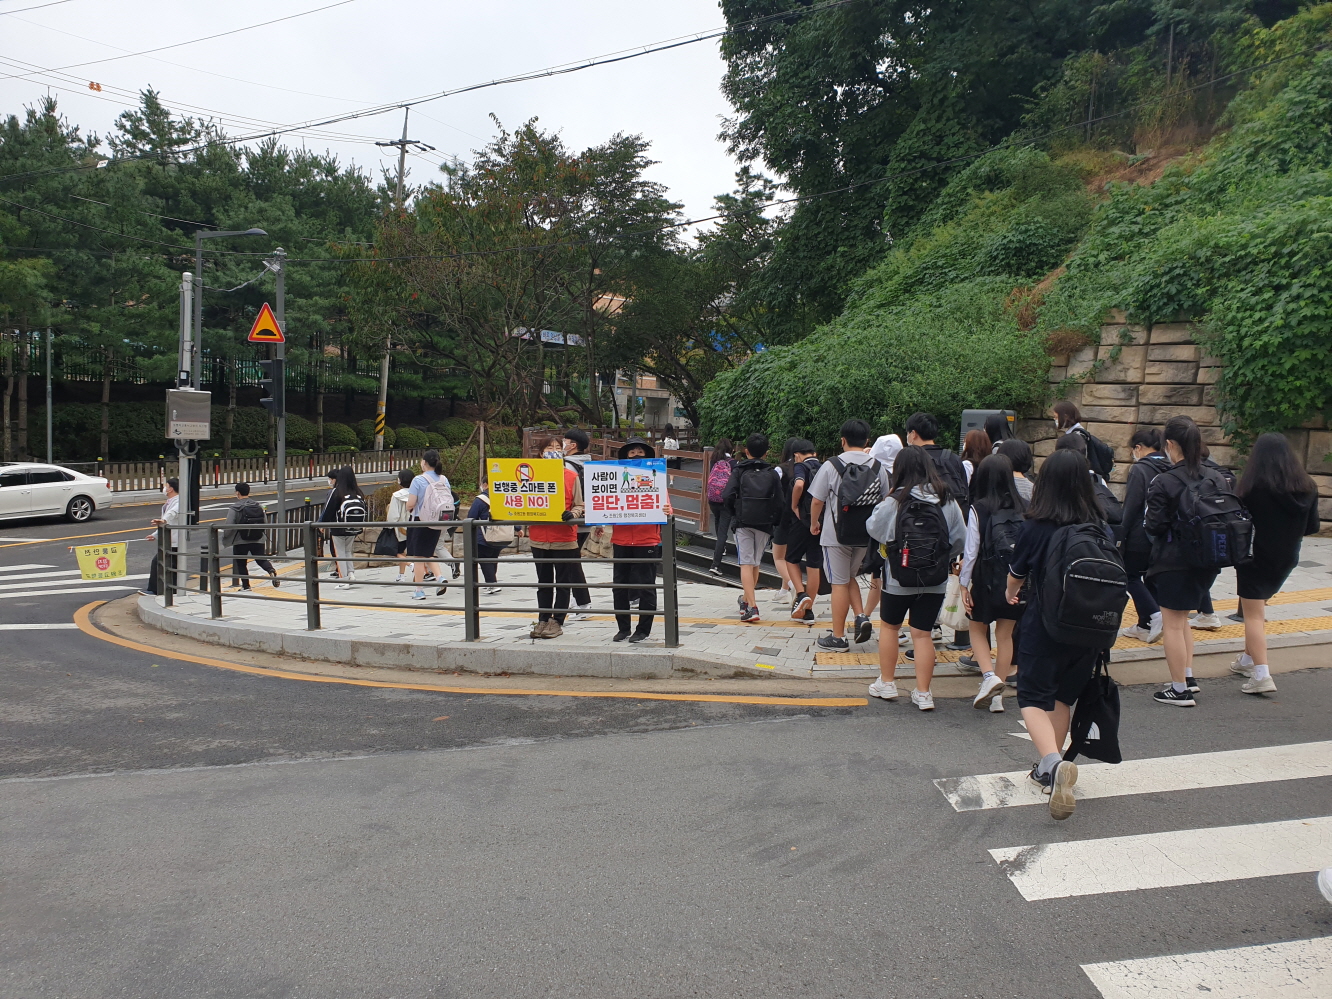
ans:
x=280 y=392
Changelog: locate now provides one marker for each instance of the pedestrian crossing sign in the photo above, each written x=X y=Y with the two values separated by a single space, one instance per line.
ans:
x=101 y=561
x=265 y=328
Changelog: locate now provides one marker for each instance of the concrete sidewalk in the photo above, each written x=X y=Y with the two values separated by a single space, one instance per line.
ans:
x=430 y=634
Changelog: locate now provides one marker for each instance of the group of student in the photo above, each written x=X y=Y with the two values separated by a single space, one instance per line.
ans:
x=1046 y=562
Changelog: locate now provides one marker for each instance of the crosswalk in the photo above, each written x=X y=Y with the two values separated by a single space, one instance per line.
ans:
x=1146 y=861
x=18 y=581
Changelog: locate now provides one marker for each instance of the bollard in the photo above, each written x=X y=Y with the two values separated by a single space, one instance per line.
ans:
x=670 y=599
x=214 y=576
x=471 y=598
x=311 y=552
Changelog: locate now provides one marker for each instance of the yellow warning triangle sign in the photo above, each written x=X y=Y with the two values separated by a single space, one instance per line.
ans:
x=265 y=328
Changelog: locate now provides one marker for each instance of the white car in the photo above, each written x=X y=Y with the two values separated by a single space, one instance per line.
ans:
x=28 y=489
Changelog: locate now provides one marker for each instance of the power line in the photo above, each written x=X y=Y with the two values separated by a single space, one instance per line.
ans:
x=53 y=3
x=194 y=41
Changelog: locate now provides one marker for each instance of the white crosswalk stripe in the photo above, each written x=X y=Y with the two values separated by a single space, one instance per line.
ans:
x=1296 y=969
x=78 y=589
x=1299 y=969
x=21 y=568
x=1169 y=773
x=65 y=626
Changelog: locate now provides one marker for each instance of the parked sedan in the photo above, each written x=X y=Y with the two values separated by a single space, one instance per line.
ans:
x=32 y=490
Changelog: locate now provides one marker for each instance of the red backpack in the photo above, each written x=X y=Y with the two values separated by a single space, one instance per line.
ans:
x=718 y=477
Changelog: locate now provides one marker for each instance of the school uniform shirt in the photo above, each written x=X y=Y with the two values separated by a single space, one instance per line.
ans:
x=419 y=486
x=882 y=526
x=171 y=514
x=1025 y=486
x=397 y=512
x=824 y=487
x=803 y=471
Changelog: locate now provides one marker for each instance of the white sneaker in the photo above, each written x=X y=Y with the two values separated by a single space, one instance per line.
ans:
x=1207 y=622
x=581 y=614
x=1155 y=628
x=1324 y=883
x=1243 y=665
x=936 y=635
x=923 y=699
x=343 y=586
x=990 y=686
x=784 y=596
x=1264 y=686
x=885 y=690
x=492 y=590
x=903 y=639
x=997 y=704
x=1137 y=631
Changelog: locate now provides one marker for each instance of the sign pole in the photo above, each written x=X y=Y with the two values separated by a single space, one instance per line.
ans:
x=280 y=393
x=50 y=450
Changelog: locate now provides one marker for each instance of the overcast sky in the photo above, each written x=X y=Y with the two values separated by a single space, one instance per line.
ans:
x=369 y=52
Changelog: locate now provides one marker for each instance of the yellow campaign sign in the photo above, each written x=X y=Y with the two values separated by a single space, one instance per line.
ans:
x=526 y=488
x=101 y=561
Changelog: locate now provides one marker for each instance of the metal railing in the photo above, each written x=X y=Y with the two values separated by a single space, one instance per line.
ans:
x=176 y=576
x=129 y=476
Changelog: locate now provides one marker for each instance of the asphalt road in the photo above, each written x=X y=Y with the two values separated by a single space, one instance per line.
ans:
x=172 y=829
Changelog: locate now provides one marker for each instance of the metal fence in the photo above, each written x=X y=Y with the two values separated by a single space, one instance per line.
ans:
x=176 y=576
x=129 y=476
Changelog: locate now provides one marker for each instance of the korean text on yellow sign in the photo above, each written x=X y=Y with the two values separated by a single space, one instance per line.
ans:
x=526 y=488
x=101 y=561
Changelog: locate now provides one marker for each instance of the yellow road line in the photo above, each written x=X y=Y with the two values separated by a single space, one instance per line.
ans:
x=83 y=618
x=100 y=534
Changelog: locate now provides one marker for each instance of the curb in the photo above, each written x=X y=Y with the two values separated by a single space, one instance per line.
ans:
x=480 y=658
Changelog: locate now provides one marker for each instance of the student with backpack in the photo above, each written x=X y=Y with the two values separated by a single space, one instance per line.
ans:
x=636 y=541
x=1065 y=565
x=753 y=498
x=921 y=430
x=245 y=538
x=801 y=545
x=491 y=537
x=723 y=461
x=975 y=448
x=993 y=526
x=844 y=493
x=345 y=505
x=781 y=531
x=1207 y=618
x=1068 y=420
x=920 y=526
x=1018 y=452
x=1134 y=543
x=998 y=429
x=1198 y=526
x=1111 y=506
x=1282 y=499
x=430 y=500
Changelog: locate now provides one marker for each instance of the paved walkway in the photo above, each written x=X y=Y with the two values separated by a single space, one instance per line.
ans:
x=1301 y=614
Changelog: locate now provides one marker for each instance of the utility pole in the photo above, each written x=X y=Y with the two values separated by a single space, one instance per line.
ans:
x=185 y=449
x=381 y=406
x=50 y=450
x=280 y=385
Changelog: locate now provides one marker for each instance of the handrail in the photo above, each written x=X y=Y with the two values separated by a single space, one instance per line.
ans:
x=175 y=544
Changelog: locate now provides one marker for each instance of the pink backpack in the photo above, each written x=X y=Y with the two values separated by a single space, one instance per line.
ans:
x=718 y=477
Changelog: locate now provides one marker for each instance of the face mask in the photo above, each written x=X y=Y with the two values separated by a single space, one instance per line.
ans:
x=552 y=453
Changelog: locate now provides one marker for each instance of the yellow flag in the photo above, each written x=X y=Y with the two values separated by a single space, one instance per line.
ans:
x=101 y=561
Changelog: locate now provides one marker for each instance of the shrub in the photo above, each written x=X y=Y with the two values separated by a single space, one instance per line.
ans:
x=340 y=437
x=365 y=435
x=409 y=438
x=302 y=434
x=437 y=440
x=455 y=429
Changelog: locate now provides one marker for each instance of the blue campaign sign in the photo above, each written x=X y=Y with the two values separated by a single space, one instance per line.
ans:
x=625 y=492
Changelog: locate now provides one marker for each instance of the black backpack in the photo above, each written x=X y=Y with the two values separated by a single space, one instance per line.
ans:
x=996 y=552
x=858 y=493
x=1095 y=728
x=1212 y=527
x=352 y=511
x=953 y=472
x=1084 y=587
x=250 y=513
x=758 y=501
x=1110 y=503
x=1100 y=455
x=919 y=554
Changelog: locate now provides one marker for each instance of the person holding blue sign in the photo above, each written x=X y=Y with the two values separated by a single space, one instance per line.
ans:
x=636 y=541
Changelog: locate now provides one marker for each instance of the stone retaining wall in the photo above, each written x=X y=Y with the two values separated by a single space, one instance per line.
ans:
x=1161 y=372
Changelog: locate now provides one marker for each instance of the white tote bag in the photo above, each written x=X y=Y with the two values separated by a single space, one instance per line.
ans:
x=954 y=615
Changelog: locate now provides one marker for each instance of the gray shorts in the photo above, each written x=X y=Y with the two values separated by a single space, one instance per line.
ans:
x=749 y=545
x=841 y=563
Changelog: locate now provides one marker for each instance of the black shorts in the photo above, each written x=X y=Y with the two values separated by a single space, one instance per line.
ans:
x=1054 y=676
x=781 y=533
x=1182 y=589
x=801 y=545
x=421 y=541
x=920 y=610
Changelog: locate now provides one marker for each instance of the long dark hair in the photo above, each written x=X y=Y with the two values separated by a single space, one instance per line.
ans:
x=992 y=485
x=912 y=468
x=1272 y=465
x=1066 y=414
x=1184 y=432
x=1063 y=492
x=725 y=447
x=345 y=482
x=996 y=428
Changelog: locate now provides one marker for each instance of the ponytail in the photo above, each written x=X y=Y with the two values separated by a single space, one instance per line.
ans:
x=1184 y=432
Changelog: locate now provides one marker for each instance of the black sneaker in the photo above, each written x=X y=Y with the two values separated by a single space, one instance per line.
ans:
x=639 y=636
x=716 y=570
x=620 y=636
x=1191 y=684
x=809 y=617
x=831 y=643
x=966 y=664
x=910 y=655
x=1043 y=781
x=864 y=629
x=1170 y=695
x=1011 y=681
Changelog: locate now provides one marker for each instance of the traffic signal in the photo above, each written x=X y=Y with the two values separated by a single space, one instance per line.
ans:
x=274 y=383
